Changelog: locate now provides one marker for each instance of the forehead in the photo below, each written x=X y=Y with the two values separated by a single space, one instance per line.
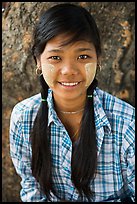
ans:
x=62 y=42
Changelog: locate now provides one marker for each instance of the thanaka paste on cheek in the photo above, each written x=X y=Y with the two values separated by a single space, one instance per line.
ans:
x=48 y=71
x=90 y=69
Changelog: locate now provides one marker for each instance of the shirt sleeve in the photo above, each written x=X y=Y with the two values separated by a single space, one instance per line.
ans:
x=129 y=156
x=21 y=158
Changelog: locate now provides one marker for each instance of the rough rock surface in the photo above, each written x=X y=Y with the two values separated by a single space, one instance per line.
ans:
x=116 y=21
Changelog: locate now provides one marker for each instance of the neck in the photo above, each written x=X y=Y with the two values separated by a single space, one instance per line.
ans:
x=69 y=106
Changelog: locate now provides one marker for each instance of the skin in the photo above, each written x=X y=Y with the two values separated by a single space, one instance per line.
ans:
x=68 y=64
x=49 y=74
x=90 y=69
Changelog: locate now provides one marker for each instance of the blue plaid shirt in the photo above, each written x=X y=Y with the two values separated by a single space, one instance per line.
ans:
x=114 y=121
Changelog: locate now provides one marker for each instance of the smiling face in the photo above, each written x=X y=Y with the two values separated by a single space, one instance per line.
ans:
x=68 y=70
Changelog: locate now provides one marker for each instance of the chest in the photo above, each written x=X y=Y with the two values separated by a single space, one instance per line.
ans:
x=72 y=124
x=108 y=180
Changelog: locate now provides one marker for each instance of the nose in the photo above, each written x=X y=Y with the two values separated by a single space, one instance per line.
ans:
x=69 y=68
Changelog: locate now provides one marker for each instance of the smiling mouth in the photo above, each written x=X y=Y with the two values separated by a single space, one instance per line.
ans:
x=69 y=84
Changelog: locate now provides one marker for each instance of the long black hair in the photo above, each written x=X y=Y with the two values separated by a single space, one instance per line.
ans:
x=78 y=23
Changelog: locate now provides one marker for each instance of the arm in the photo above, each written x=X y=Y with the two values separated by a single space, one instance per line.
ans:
x=129 y=157
x=20 y=151
x=127 y=192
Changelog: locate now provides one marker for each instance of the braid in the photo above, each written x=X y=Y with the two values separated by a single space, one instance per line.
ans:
x=92 y=87
x=84 y=158
x=44 y=87
x=41 y=158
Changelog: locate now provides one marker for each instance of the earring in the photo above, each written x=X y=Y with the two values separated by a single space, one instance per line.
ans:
x=38 y=71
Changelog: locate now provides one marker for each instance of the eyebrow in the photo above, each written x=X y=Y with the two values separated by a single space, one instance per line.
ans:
x=84 y=49
x=55 y=50
x=77 y=50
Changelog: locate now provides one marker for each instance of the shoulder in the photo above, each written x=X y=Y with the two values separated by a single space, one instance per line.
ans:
x=116 y=106
x=26 y=107
x=121 y=117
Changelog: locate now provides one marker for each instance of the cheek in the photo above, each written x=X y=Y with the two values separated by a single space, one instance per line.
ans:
x=90 y=70
x=49 y=73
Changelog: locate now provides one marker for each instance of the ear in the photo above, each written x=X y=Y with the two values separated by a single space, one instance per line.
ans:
x=99 y=60
x=38 y=63
x=99 y=67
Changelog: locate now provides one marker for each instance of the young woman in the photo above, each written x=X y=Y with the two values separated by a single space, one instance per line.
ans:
x=73 y=142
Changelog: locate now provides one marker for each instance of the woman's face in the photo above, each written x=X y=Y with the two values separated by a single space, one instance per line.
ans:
x=68 y=70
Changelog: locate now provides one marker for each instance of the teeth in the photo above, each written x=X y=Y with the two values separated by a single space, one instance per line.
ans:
x=70 y=84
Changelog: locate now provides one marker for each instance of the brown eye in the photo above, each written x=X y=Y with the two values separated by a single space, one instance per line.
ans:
x=55 y=58
x=83 y=57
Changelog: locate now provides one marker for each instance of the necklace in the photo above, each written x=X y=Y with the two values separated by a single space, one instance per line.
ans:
x=72 y=111
x=75 y=134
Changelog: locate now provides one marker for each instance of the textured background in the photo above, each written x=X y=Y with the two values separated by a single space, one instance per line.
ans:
x=116 y=22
